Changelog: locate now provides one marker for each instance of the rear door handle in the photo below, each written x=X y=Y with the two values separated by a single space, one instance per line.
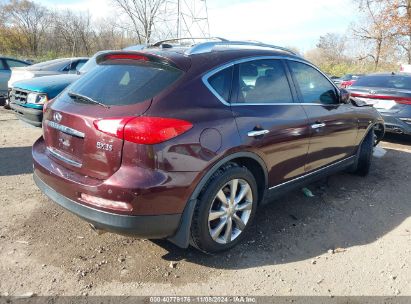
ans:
x=318 y=125
x=257 y=133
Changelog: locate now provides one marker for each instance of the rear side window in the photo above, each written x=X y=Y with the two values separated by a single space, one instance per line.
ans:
x=120 y=84
x=389 y=82
x=314 y=87
x=221 y=82
x=263 y=81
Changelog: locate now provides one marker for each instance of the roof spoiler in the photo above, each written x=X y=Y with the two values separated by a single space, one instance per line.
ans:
x=138 y=56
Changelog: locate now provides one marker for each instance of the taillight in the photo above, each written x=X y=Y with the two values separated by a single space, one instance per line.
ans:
x=143 y=130
x=397 y=99
x=112 y=126
x=346 y=84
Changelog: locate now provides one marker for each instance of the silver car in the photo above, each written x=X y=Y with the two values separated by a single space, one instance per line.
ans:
x=47 y=68
x=6 y=64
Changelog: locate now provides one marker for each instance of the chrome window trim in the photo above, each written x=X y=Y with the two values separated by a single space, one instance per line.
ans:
x=313 y=172
x=64 y=129
x=206 y=76
x=63 y=158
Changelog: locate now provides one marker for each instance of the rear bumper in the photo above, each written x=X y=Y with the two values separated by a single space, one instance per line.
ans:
x=396 y=125
x=28 y=115
x=145 y=226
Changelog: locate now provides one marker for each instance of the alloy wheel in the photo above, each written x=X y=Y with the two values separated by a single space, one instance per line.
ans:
x=230 y=211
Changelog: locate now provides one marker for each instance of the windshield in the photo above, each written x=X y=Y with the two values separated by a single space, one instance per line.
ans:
x=389 y=82
x=120 y=84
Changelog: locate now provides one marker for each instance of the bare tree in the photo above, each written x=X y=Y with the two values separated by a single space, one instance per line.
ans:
x=31 y=20
x=397 y=14
x=74 y=32
x=374 y=28
x=332 y=47
x=142 y=14
x=110 y=33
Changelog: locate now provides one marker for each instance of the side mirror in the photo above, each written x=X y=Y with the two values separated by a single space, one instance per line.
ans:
x=344 y=96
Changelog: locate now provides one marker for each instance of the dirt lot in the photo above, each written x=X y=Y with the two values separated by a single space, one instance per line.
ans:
x=367 y=221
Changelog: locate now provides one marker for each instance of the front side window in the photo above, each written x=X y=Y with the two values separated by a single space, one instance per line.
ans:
x=2 y=67
x=263 y=81
x=314 y=87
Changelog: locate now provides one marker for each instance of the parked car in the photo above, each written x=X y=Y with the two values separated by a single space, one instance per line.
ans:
x=27 y=97
x=47 y=68
x=349 y=79
x=6 y=64
x=260 y=120
x=390 y=94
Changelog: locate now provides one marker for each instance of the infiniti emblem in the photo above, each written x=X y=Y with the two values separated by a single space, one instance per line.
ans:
x=57 y=116
x=372 y=92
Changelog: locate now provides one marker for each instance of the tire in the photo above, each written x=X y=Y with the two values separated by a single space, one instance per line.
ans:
x=7 y=104
x=237 y=215
x=364 y=156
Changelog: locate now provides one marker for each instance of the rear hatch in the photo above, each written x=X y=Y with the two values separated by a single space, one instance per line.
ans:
x=387 y=93
x=384 y=100
x=84 y=126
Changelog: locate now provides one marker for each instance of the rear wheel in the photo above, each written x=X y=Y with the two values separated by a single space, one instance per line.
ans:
x=225 y=209
x=364 y=156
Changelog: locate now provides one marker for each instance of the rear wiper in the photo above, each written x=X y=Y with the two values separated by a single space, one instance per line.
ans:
x=86 y=98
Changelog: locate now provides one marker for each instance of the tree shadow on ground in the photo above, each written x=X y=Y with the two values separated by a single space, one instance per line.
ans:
x=15 y=161
x=397 y=138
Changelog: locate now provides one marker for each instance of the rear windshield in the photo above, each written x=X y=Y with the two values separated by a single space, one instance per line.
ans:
x=389 y=82
x=121 y=84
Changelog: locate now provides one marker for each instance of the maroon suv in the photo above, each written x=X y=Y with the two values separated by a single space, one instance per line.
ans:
x=185 y=143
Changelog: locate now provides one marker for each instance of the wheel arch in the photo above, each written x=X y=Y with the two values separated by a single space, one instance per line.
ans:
x=250 y=160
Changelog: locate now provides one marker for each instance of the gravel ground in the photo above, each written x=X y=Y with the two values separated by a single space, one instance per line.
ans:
x=352 y=238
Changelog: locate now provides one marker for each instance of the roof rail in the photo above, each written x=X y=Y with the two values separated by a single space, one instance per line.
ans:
x=159 y=43
x=209 y=46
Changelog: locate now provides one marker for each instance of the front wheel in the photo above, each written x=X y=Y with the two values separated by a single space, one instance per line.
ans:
x=225 y=209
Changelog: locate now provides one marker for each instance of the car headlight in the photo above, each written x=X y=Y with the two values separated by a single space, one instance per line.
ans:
x=35 y=98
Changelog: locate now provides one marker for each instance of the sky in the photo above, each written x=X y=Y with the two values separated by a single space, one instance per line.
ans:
x=297 y=23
